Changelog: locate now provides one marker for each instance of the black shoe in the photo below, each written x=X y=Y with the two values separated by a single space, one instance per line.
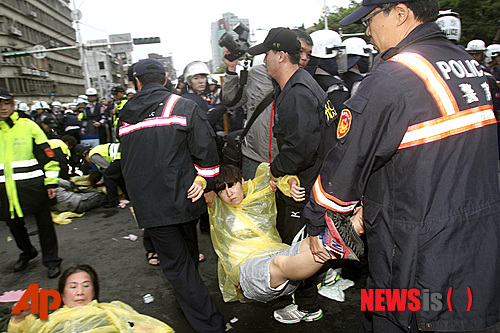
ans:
x=22 y=263
x=111 y=204
x=54 y=272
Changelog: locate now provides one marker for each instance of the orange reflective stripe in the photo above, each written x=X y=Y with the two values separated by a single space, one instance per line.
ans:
x=444 y=127
x=453 y=121
x=330 y=202
x=433 y=81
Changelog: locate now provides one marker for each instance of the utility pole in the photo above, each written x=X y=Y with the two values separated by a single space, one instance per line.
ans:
x=326 y=11
x=76 y=14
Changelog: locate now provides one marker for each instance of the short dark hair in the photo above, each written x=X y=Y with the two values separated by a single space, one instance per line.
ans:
x=303 y=35
x=94 y=178
x=152 y=78
x=75 y=269
x=294 y=58
x=424 y=10
x=228 y=175
x=69 y=140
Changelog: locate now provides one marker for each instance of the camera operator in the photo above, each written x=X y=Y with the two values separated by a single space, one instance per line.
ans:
x=259 y=144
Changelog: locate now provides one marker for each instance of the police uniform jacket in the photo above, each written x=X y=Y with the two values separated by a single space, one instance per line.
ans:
x=27 y=167
x=298 y=128
x=166 y=142
x=418 y=141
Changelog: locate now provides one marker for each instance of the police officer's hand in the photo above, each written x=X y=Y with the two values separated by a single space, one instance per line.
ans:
x=96 y=124
x=51 y=192
x=231 y=65
x=319 y=252
x=195 y=191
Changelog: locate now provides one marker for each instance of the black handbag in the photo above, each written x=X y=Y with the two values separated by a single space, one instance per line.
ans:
x=231 y=151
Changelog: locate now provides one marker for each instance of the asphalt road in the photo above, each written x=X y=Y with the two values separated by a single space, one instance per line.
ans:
x=96 y=239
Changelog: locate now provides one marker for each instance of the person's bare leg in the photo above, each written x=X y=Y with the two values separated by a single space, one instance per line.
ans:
x=298 y=267
x=303 y=265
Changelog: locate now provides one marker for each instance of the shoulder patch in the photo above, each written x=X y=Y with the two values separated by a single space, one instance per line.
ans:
x=330 y=113
x=344 y=123
x=49 y=152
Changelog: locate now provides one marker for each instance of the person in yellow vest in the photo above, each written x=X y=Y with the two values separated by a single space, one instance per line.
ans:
x=28 y=180
x=119 y=99
x=62 y=155
x=107 y=158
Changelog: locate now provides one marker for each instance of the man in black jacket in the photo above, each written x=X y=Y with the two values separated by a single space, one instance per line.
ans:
x=298 y=128
x=417 y=148
x=168 y=157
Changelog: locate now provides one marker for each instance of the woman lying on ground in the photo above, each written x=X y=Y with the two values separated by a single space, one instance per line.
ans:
x=252 y=258
x=82 y=312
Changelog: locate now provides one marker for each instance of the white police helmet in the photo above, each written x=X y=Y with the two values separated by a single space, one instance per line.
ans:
x=493 y=51
x=476 y=45
x=356 y=46
x=56 y=104
x=23 y=107
x=91 y=92
x=195 y=68
x=324 y=43
x=450 y=23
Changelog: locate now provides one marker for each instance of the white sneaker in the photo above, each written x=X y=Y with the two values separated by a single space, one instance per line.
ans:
x=291 y=314
x=331 y=277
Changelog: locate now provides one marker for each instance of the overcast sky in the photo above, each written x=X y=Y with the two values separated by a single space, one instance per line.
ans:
x=184 y=25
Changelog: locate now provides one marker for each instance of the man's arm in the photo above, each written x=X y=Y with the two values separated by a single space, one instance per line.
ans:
x=203 y=149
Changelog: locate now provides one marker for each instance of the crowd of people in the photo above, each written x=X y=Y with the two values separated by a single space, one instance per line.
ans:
x=387 y=151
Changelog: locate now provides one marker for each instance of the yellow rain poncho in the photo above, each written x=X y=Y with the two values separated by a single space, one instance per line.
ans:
x=93 y=317
x=245 y=231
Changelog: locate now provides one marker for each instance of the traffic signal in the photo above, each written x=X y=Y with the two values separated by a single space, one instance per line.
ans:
x=146 y=40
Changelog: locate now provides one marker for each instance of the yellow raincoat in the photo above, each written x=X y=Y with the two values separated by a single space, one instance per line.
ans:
x=93 y=317
x=245 y=231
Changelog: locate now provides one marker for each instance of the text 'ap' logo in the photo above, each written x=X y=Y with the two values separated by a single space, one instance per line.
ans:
x=42 y=308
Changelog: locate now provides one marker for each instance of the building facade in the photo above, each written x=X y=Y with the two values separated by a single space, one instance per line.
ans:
x=28 y=23
x=219 y=28
x=105 y=69
x=167 y=62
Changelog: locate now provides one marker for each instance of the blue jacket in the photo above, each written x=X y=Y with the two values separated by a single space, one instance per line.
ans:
x=418 y=144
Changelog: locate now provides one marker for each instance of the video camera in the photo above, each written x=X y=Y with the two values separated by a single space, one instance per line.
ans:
x=237 y=47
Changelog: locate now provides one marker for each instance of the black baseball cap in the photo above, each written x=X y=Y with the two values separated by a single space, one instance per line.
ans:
x=5 y=94
x=278 y=39
x=367 y=6
x=50 y=121
x=148 y=65
x=116 y=90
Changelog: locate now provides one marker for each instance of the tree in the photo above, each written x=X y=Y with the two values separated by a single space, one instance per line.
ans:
x=480 y=18
x=338 y=13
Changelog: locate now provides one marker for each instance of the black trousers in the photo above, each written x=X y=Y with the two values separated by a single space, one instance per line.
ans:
x=113 y=178
x=289 y=221
x=372 y=323
x=177 y=248
x=147 y=242
x=46 y=234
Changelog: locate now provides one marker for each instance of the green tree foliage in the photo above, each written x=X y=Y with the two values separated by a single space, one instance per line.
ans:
x=480 y=19
x=334 y=18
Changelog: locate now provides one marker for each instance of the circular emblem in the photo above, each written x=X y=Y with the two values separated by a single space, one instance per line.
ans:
x=344 y=123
